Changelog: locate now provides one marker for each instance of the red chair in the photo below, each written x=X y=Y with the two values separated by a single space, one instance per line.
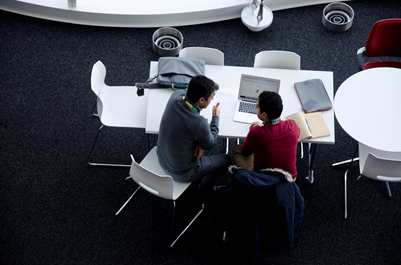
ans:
x=384 y=40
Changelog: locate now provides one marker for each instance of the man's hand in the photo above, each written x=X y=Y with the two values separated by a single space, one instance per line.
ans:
x=237 y=149
x=216 y=110
x=199 y=151
x=256 y=124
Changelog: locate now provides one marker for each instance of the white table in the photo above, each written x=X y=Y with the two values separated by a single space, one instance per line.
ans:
x=229 y=77
x=368 y=107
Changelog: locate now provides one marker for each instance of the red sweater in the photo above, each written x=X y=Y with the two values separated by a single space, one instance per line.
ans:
x=274 y=146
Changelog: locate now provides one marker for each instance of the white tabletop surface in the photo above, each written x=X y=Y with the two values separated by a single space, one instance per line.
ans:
x=229 y=77
x=368 y=107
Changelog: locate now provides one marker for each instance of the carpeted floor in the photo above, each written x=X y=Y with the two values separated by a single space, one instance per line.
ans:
x=55 y=209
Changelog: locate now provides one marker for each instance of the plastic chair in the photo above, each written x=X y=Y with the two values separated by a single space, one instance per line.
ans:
x=374 y=167
x=277 y=59
x=117 y=106
x=384 y=40
x=151 y=177
x=209 y=55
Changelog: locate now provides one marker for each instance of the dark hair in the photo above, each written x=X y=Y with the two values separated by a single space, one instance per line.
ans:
x=200 y=86
x=270 y=103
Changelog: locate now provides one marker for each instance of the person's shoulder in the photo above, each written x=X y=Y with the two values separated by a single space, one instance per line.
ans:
x=179 y=93
x=256 y=130
x=290 y=125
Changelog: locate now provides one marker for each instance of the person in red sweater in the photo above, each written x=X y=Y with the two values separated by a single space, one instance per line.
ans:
x=271 y=142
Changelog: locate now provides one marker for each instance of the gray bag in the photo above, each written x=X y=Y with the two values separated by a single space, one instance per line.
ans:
x=176 y=72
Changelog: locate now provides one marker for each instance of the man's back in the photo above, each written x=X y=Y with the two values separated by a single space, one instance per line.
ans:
x=181 y=128
x=274 y=146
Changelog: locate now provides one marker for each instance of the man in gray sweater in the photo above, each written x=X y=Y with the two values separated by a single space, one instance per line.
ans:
x=184 y=135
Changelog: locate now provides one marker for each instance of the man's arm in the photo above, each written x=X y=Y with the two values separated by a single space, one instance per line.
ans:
x=244 y=148
x=208 y=134
x=199 y=151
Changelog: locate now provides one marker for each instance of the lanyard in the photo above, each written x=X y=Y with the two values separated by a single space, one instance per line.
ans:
x=190 y=105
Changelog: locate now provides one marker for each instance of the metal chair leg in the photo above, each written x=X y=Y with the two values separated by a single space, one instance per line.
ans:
x=388 y=189
x=227 y=145
x=345 y=162
x=122 y=207
x=100 y=164
x=93 y=110
x=196 y=216
x=302 y=150
x=345 y=194
x=345 y=182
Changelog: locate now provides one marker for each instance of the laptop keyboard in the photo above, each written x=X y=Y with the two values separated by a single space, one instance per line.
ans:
x=247 y=107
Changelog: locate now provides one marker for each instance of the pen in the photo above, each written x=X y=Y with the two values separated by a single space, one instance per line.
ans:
x=308 y=125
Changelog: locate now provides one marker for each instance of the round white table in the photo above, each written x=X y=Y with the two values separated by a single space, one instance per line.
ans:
x=368 y=107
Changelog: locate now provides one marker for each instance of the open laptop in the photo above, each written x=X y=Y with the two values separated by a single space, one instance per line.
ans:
x=249 y=90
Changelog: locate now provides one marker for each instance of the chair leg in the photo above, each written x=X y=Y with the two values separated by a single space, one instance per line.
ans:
x=388 y=189
x=93 y=110
x=148 y=142
x=196 y=216
x=344 y=162
x=227 y=145
x=302 y=150
x=100 y=164
x=347 y=161
x=345 y=181
x=345 y=194
x=122 y=207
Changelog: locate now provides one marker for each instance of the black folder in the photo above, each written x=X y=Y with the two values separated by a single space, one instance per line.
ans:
x=313 y=95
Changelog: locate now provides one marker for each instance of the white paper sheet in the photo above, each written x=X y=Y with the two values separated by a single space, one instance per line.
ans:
x=227 y=98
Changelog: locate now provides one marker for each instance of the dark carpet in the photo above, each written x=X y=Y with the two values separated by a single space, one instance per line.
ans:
x=55 y=209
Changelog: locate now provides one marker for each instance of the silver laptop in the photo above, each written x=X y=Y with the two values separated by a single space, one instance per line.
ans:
x=249 y=90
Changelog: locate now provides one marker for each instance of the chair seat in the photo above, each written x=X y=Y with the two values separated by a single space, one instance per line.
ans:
x=392 y=64
x=150 y=162
x=123 y=108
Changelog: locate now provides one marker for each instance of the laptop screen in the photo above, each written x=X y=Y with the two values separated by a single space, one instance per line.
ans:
x=252 y=86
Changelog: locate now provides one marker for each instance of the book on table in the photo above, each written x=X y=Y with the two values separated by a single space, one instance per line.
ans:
x=312 y=125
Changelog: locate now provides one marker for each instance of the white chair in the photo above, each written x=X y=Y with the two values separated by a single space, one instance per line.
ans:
x=151 y=177
x=371 y=166
x=117 y=106
x=209 y=55
x=277 y=59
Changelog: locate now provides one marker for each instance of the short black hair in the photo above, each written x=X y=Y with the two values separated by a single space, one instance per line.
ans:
x=201 y=86
x=270 y=103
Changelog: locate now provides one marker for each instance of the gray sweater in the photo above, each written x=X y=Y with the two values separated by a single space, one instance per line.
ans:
x=181 y=128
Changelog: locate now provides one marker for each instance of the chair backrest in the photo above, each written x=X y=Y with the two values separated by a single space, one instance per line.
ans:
x=278 y=59
x=382 y=169
x=151 y=177
x=97 y=83
x=384 y=39
x=209 y=55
